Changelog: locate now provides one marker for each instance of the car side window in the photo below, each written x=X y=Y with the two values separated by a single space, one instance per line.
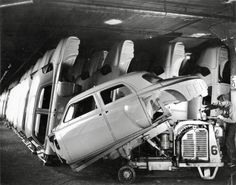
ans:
x=80 y=108
x=114 y=93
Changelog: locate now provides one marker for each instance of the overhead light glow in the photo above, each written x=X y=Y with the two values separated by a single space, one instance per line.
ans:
x=187 y=56
x=197 y=35
x=113 y=21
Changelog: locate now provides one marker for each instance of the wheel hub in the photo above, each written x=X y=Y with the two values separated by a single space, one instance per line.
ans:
x=127 y=174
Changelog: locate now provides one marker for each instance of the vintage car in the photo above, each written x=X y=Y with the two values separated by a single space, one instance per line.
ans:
x=112 y=119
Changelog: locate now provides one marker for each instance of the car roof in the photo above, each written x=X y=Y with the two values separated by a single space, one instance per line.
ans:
x=133 y=79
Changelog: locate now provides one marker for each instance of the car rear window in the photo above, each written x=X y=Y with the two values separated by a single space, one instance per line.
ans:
x=114 y=93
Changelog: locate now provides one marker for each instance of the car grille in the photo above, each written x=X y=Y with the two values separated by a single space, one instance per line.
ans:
x=195 y=145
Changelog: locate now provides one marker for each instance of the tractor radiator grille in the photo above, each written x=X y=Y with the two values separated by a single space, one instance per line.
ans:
x=201 y=143
x=195 y=144
x=188 y=146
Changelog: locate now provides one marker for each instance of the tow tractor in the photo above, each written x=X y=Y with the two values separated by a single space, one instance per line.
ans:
x=188 y=144
x=168 y=146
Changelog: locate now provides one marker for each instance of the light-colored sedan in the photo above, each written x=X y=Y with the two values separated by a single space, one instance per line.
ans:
x=108 y=114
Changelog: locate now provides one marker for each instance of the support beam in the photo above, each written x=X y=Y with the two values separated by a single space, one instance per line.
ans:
x=6 y=5
x=156 y=10
x=232 y=47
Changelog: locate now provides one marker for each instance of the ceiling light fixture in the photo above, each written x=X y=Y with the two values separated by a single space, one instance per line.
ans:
x=113 y=21
x=197 y=35
x=228 y=1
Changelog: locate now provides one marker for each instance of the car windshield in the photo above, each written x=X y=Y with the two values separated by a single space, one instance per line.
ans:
x=152 y=78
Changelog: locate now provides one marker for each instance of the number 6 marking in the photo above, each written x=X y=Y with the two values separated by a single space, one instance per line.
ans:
x=214 y=150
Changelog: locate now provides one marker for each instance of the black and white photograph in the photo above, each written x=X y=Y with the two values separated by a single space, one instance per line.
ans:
x=110 y=92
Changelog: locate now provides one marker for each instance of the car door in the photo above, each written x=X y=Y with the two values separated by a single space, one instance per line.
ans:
x=84 y=131
x=123 y=110
x=38 y=107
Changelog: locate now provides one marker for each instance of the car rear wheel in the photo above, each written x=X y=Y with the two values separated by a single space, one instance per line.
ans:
x=126 y=174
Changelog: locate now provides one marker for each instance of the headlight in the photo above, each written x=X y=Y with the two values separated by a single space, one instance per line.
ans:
x=218 y=131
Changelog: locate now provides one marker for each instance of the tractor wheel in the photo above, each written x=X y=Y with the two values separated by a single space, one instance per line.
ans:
x=126 y=174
